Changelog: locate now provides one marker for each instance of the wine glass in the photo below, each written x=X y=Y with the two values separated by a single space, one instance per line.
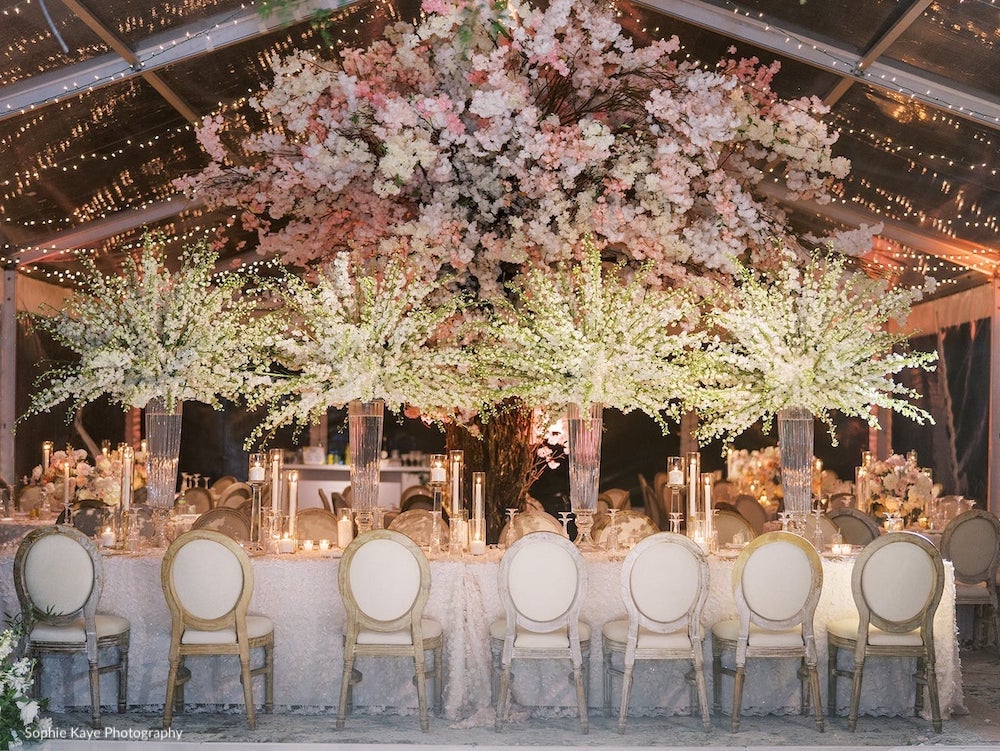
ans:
x=509 y=530
x=675 y=521
x=564 y=519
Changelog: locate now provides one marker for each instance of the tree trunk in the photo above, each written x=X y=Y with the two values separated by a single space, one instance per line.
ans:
x=503 y=447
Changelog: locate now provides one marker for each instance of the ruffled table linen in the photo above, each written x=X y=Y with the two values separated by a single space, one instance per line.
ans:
x=299 y=593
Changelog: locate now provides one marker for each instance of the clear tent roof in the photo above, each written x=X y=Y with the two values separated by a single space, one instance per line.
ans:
x=97 y=101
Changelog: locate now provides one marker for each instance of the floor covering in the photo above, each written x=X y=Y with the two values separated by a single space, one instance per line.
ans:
x=980 y=728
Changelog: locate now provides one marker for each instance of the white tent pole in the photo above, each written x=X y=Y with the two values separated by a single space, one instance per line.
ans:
x=8 y=371
x=993 y=450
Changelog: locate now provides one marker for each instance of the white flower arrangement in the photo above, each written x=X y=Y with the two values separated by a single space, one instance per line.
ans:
x=582 y=334
x=20 y=718
x=150 y=333
x=357 y=336
x=814 y=337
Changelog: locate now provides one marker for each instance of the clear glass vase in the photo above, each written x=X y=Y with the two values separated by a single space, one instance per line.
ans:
x=795 y=442
x=364 y=420
x=584 y=432
x=163 y=445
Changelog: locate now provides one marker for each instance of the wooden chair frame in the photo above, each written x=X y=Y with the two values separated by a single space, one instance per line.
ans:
x=689 y=622
x=857 y=520
x=92 y=643
x=862 y=648
x=357 y=620
x=228 y=517
x=803 y=617
x=576 y=648
x=974 y=567
x=235 y=618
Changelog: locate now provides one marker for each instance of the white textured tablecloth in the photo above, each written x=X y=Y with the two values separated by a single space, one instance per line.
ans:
x=300 y=594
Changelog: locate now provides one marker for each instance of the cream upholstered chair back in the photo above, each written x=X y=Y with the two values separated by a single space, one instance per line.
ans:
x=418 y=525
x=777 y=581
x=542 y=583
x=660 y=602
x=971 y=541
x=207 y=581
x=897 y=583
x=228 y=521
x=57 y=575
x=385 y=581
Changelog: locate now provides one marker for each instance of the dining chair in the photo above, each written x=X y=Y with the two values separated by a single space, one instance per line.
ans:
x=971 y=541
x=828 y=529
x=58 y=577
x=235 y=495
x=207 y=581
x=776 y=582
x=385 y=581
x=542 y=582
x=418 y=525
x=839 y=501
x=228 y=521
x=199 y=499
x=412 y=490
x=90 y=517
x=897 y=582
x=856 y=527
x=664 y=616
x=723 y=491
x=417 y=501
x=315 y=524
x=628 y=526
x=751 y=510
x=731 y=526
x=617 y=498
x=324 y=499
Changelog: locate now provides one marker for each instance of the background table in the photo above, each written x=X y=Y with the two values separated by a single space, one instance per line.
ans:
x=299 y=592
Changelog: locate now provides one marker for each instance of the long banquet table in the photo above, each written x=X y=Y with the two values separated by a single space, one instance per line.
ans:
x=299 y=592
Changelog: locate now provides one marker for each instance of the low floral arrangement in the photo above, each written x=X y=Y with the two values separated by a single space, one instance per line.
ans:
x=20 y=715
x=898 y=486
x=152 y=333
x=52 y=478
x=811 y=335
x=759 y=471
x=583 y=334
x=356 y=335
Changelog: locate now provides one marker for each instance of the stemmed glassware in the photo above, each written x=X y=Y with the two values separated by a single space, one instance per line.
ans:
x=508 y=529
x=564 y=519
x=675 y=521
x=612 y=546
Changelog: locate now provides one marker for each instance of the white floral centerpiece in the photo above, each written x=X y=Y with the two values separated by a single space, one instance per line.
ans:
x=149 y=333
x=813 y=336
x=20 y=714
x=584 y=334
x=352 y=335
x=898 y=485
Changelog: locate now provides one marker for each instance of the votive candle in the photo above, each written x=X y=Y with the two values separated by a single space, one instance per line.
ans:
x=286 y=544
x=108 y=538
x=439 y=474
x=307 y=545
x=324 y=545
x=255 y=475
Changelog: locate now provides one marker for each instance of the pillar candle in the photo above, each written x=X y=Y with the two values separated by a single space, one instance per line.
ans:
x=706 y=491
x=439 y=475
x=46 y=454
x=478 y=495
x=293 y=500
x=456 y=461
x=255 y=475
x=275 y=480
x=693 y=461
x=66 y=484
x=128 y=457
x=345 y=529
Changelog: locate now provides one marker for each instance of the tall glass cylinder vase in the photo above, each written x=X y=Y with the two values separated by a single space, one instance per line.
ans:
x=364 y=423
x=163 y=447
x=795 y=441
x=584 y=432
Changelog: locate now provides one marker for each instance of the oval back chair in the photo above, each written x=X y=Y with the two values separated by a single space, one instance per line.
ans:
x=897 y=584
x=856 y=527
x=384 y=582
x=58 y=577
x=664 y=615
x=971 y=541
x=775 y=620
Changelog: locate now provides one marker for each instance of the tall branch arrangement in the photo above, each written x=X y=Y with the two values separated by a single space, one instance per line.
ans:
x=816 y=337
x=492 y=136
x=150 y=332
